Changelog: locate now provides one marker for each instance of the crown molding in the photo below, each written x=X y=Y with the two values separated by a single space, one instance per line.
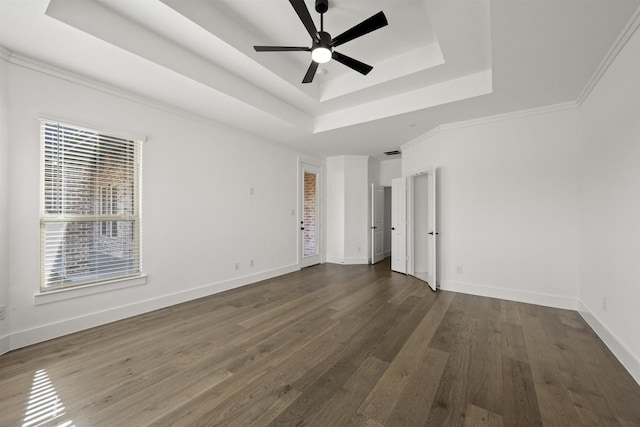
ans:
x=63 y=74
x=5 y=53
x=491 y=119
x=627 y=32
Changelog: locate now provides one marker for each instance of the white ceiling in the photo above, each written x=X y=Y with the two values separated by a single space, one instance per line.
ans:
x=436 y=62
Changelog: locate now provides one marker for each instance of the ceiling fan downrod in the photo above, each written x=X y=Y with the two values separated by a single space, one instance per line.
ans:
x=321 y=7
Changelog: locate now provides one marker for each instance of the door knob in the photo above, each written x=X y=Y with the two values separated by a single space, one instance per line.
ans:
x=393 y=228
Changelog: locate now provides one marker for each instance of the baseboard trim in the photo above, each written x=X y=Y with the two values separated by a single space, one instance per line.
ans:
x=622 y=353
x=548 y=300
x=387 y=254
x=348 y=260
x=38 y=334
x=5 y=344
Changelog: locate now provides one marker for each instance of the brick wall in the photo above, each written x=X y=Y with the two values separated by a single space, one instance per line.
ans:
x=309 y=215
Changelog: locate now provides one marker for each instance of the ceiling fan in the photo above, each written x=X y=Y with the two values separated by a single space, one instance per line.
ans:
x=322 y=48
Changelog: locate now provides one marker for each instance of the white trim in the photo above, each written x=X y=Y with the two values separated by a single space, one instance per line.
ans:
x=53 y=330
x=44 y=117
x=45 y=68
x=348 y=260
x=320 y=197
x=5 y=53
x=547 y=300
x=617 y=347
x=91 y=289
x=5 y=344
x=627 y=32
x=490 y=119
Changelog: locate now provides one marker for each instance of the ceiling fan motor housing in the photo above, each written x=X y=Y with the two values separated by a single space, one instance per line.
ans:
x=325 y=40
x=322 y=6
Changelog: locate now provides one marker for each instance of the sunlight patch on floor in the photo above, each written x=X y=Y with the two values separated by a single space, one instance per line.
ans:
x=44 y=405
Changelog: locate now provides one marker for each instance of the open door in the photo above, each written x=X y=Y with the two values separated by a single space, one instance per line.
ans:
x=398 y=225
x=433 y=233
x=422 y=227
x=310 y=215
x=377 y=223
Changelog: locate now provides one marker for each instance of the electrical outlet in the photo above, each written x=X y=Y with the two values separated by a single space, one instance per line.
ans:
x=359 y=249
x=251 y=263
x=236 y=266
x=459 y=269
x=2 y=312
x=251 y=191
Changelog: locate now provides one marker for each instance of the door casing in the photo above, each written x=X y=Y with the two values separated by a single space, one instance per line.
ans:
x=306 y=261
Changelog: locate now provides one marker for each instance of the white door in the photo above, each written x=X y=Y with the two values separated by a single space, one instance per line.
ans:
x=418 y=226
x=398 y=225
x=433 y=230
x=377 y=223
x=309 y=215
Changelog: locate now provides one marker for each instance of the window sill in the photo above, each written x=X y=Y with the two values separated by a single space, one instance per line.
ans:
x=94 y=288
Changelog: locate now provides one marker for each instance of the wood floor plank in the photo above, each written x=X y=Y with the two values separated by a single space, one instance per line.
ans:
x=328 y=345
x=322 y=381
x=556 y=406
x=415 y=401
x=347 y=399
x=480 y=417
x=485 y=367
x=509 y=312
x=380 y=402
x=520 y=405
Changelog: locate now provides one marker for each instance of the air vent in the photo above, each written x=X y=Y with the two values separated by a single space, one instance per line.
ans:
x=392 y=153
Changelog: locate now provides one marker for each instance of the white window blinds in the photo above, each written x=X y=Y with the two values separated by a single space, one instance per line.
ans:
x=90 y=219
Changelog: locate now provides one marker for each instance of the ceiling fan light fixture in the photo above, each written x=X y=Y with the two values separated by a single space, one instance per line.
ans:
x=321 y=55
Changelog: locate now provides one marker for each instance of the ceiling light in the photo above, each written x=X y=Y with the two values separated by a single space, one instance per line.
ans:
x=321 y=55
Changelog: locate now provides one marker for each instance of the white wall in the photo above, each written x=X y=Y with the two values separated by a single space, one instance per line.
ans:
x=508 y=193
x=358 y=211
x=198 y=216
x=348 y=213
x=4 y=204
x=388 y=170
x=335 y=214
x=610 y=243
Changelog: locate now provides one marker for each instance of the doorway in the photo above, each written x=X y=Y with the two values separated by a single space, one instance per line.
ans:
x=418 y=238
x=380 y=239
x=422 y=227
x=414 y=226
x=310 y=209
x=377 y=223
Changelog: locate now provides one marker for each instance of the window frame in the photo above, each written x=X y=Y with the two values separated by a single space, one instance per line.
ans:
x=111 y=219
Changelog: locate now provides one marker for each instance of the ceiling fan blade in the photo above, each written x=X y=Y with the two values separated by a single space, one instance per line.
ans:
x=354 y=64
x=280 y=48
x=305 y=17
x=311 y=72
x=370 y=24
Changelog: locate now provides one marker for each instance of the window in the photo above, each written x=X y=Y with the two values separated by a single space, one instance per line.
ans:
x=90 y=219
x=109 y=206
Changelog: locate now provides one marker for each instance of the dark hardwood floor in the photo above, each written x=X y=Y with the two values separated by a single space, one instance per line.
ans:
x=327 y=346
